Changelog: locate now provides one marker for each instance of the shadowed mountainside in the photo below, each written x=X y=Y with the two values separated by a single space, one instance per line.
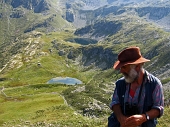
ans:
x=44 y=39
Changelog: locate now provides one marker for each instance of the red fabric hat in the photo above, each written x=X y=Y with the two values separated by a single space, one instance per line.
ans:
x=131 y=55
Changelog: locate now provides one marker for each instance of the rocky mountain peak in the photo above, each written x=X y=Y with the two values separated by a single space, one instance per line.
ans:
x=37 y=5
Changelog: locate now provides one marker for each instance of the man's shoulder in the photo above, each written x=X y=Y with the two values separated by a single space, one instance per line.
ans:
x=121 y=84
x=121 y=81
x=151 y=78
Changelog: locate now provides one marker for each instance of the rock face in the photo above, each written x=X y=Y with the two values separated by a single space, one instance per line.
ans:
x=1 y=15
x=155 y=13
x=37 y=5
x=99 y=29
x=93 y=56
x=69 y=16
x=17 y=14
x=100 y=57
x=81 y=13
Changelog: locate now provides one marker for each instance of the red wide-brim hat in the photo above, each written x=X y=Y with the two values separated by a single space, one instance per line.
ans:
x=131 y=55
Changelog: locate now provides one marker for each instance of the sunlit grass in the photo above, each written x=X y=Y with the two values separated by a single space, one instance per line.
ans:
x=29 y=101
x=41 y=104
x=44 y=105
x=164 y=121
x=60 y=37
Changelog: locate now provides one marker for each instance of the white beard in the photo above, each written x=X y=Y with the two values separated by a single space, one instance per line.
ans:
x=131 y=76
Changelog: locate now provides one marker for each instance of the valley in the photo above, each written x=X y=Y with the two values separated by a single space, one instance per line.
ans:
x=44 y=39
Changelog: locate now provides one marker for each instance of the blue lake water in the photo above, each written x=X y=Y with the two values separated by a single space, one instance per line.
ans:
x=64 y=80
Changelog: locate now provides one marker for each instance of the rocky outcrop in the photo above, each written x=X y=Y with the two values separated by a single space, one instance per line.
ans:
x=38 y=25
x=95 y=56
x=85 y=41
x=89 y=55
x=69 y=16
x=37 y=5
x=116 y=10
x=155 y=13
x=17 y=14
x=44 y=24
x=99 y=29
x=1 y=15
x=100 y=57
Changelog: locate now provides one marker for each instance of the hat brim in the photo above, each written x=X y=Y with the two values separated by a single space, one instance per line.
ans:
x=119 y=64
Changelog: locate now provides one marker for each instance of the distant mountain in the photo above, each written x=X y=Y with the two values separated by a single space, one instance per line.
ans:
x=18 y=16
x=94 y=4
x=37 y=6
x=110 y=23
x=44 y=39
x=139 y=2
x=85 y=12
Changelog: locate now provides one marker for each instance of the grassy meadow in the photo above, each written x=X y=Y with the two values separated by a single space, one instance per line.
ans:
x=28 y=101
x=41 y=105
x=24 y=103
x=44 y=105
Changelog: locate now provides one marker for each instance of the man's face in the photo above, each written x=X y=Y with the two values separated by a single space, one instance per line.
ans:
x=129 y=73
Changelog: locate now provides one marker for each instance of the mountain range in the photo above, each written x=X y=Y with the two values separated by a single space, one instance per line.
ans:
x=44 y=39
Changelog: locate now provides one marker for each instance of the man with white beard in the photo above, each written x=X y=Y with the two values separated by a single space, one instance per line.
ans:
x=138 y=98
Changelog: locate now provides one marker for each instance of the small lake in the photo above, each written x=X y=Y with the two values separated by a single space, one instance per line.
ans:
x=64 y=80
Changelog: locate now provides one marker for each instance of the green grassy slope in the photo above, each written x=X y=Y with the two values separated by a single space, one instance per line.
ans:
x=23 y=68
x=44 y=105
x=28 y=101
x=40 y=105
x=15 y=21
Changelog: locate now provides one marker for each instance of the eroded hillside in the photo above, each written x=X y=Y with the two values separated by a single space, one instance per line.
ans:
x=44 y=39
